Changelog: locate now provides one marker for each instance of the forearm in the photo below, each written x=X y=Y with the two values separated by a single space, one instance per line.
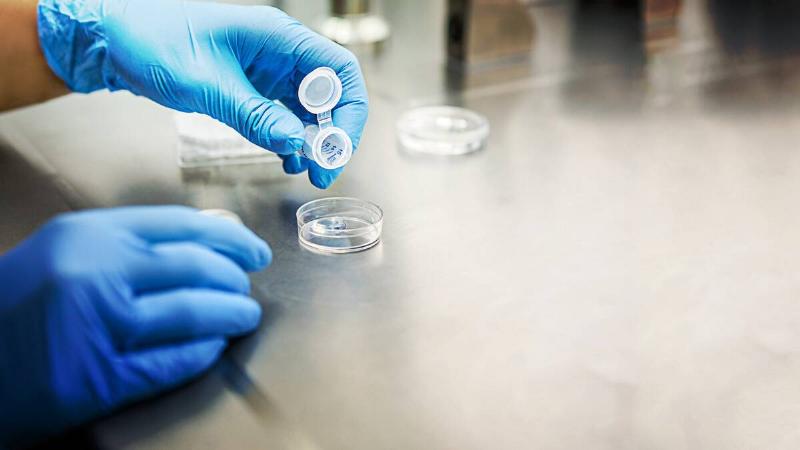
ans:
x=25 y=77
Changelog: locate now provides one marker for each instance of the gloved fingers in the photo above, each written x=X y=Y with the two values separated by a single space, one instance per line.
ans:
x=263 y=122
x=189 y=314
x=295 y=46
x=148 y=372
x=294 y=164
x=322 y=178
x=308 y=49
x=185 y=264
x=291 y=101
x=319 y=177
x=351 y=116
x=157 y=224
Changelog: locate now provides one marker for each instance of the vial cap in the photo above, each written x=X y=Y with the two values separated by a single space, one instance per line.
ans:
x=320 y=90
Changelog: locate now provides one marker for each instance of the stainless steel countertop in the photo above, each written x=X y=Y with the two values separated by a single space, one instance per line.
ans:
x=617 y=270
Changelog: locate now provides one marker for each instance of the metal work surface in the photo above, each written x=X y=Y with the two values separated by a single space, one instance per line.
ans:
x=619 y=269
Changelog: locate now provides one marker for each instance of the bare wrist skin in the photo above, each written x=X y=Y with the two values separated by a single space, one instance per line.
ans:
x=25 y=77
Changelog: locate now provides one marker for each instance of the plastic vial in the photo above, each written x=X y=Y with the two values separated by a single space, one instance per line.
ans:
x=325 y=144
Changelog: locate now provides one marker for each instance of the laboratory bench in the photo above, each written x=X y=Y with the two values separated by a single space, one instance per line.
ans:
x=618 y=269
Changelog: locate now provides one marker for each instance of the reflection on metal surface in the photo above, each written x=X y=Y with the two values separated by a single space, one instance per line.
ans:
x=353 y=24
x=203 y=141
x=18 y=179
x=757 y=27
x=661 y=23
x=608 y=34
x=485 y=32
x=232 y=175
x=283 y=433
x=605 y=41
x=349 y=7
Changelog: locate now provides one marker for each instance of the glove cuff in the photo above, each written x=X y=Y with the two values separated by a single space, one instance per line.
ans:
x=74 y=43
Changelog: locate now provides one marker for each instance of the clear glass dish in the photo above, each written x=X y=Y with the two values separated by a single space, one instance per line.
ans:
x=339 y=225
x=442 y=131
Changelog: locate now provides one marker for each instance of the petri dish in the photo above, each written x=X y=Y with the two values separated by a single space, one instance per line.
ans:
x=442 y=131
x=339 y=225
x=222 y=213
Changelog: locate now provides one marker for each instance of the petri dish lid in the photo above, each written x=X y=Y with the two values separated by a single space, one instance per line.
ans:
x=339 y=225
x=442 y=130
x=320 y=90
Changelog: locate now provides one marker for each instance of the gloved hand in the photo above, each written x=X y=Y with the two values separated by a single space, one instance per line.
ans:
x=226 y=61
x=102 y=308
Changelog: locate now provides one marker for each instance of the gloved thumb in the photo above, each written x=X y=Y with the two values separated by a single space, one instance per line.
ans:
x=262 y=121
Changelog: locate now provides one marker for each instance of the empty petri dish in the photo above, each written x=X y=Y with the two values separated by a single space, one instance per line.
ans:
x=339 y=225
x=442 y=130
x=222 y=213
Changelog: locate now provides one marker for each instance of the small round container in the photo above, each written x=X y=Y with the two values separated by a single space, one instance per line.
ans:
x=442 y=131
x=222 y=213
x=339 y=225
x=329 y=146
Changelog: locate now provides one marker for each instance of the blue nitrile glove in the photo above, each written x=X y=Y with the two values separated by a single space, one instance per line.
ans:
x=102 y=308
x=226 y=61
